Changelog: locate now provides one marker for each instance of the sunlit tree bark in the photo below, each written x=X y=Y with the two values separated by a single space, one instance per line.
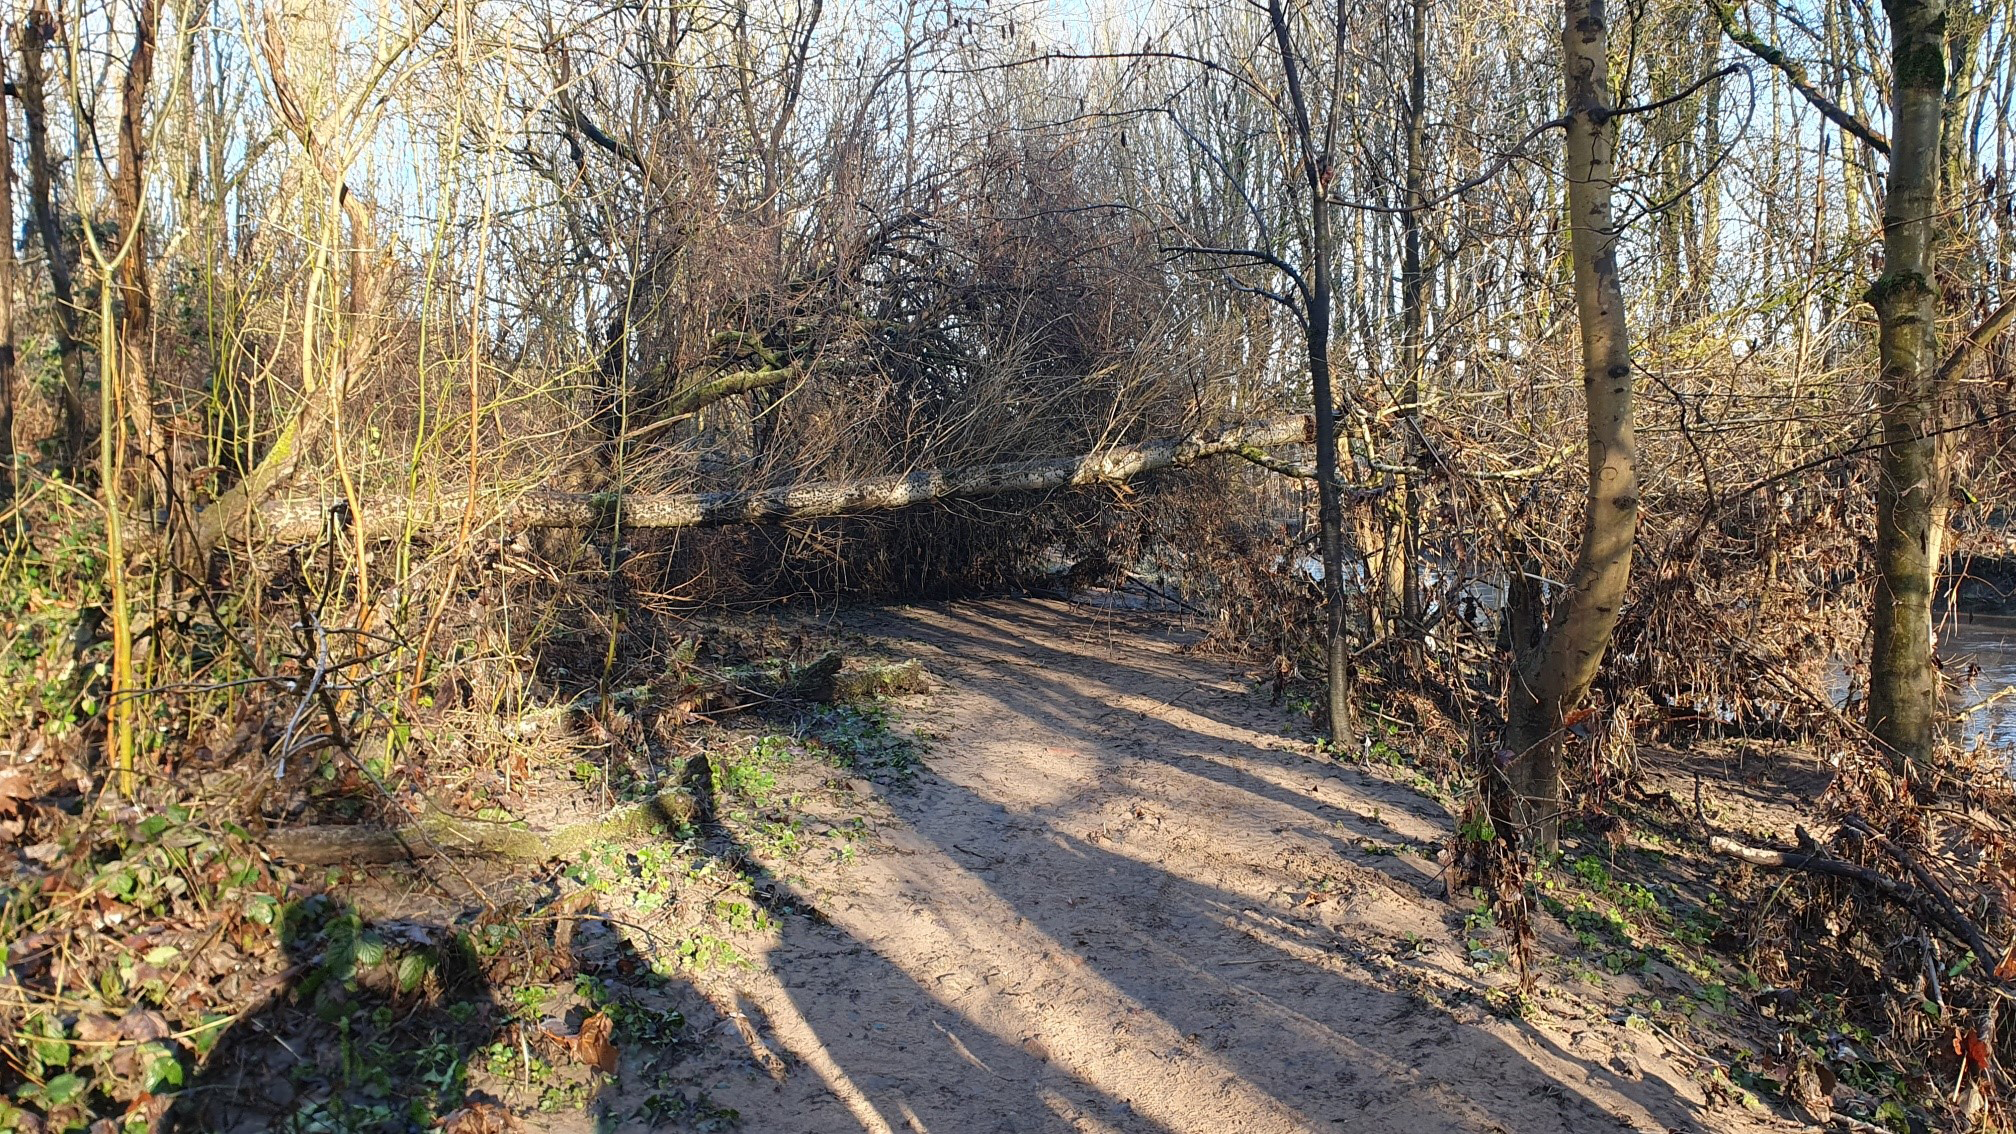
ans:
x=1554 y=676
x=1909 y=488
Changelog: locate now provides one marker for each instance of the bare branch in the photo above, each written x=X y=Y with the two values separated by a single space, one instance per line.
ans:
x=1796 y=74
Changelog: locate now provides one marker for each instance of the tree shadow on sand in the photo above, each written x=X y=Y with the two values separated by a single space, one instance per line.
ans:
x=989 y=968
x=1047 y=982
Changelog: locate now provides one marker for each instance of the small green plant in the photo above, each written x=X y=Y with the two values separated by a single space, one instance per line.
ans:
x=858 y=738
x=1477 y=828
x=1592 y=871
x=743 y=917
x=751 y=776
x=702 y=951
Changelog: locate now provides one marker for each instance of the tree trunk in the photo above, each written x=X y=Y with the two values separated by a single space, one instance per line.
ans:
x=665 y=815
x=303 y=519
x=1316 y=326
x=1413 y=320
x=1555 y=677
x=36 y=33
x=136 y=315
x=8 y=376
x=1902 y=688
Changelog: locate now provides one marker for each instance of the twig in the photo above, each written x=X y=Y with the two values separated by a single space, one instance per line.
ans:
x=1936 y=911
x=1970 y=932
x=1931 y=971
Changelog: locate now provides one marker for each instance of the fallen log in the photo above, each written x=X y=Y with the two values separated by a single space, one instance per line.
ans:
x=438 y=832
x=1815 y=862
x=384 y=516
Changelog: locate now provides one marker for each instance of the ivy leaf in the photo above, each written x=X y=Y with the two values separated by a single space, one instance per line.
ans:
x=62 y=1089
x=164 y=1071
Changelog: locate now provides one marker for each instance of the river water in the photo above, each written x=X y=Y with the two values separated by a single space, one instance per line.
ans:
x=1986 y=641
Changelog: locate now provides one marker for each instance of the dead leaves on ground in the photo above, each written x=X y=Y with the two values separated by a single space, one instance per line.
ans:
x=478 y=1118
x=591 y=1043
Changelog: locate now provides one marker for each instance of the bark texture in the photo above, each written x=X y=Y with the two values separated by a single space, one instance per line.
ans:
x=1902 y=687
x=303 y=519
x=36 y=33
x=1553 y=676
x=1316 y=329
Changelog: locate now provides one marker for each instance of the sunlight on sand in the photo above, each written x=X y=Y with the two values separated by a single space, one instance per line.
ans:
x=1106 y=1038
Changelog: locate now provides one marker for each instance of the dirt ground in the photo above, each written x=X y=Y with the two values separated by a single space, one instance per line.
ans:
x=1126 y=895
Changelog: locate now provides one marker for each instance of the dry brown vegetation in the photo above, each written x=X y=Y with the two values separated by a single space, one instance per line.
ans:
x=350 y=354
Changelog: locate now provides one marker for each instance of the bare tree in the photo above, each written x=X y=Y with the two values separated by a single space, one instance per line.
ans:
x=1316 y=318
x=1556 y=664
x=35 y=34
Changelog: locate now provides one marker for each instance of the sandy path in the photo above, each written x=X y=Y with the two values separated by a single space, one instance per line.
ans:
x=1122 y=901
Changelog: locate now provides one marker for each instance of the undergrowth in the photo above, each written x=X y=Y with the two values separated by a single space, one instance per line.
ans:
x=161 y=971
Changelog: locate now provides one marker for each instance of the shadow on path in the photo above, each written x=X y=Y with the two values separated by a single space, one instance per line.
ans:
x=1138 y=921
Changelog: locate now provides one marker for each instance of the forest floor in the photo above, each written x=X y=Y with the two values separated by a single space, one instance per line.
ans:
x=1091 y=881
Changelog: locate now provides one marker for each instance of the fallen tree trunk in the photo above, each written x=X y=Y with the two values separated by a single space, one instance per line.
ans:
x=441 y=833
x=385 y=516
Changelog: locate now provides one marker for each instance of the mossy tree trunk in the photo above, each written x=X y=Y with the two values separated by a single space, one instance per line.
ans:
x=1909 y=487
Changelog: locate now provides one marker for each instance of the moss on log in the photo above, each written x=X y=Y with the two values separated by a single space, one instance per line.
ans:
x=438 y=832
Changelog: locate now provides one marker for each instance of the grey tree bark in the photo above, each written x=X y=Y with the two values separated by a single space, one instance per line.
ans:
x=303 y=519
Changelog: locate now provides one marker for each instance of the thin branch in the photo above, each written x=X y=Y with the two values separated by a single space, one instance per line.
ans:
x=1647 y=107
x=1976 y=339
x=697 y=397
x=1506 y=158
x=1796 y=75
x=1254 y=254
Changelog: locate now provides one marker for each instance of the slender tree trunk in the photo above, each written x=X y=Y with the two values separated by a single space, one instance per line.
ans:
x=1413 y=315
x=1902 y=688
x=136 y=314
x=36 y=33
x=8 y=376
x=1554 y=678
x=1329 y=502
x=1317 y=317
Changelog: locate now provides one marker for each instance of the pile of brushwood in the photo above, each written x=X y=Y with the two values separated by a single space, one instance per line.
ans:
x=1898 y=910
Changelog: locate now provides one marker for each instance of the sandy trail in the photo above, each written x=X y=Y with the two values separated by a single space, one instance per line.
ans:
x=1121 y=901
